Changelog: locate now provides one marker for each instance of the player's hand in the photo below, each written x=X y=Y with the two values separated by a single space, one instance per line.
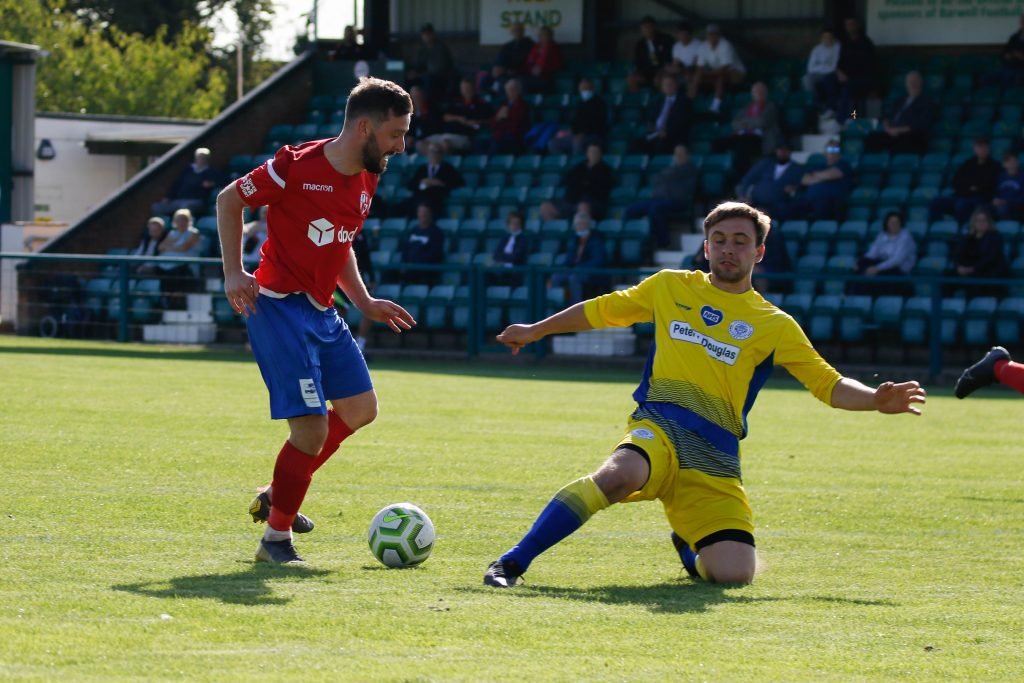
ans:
x=390 y=313
x=894 y=398
x=517 y=336
x=241 y=291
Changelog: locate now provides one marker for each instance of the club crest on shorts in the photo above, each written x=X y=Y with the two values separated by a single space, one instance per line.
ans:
x=364 y=202
x=738 y=329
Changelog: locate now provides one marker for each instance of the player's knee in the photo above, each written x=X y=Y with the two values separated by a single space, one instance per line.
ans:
x=362 y=413
x=736 y=575
x=310 y=434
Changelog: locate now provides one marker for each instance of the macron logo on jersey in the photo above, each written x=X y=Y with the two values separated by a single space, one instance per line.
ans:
x=321 y=233
x=313 y=187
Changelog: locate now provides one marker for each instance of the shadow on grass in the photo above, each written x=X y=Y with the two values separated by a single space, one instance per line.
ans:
x=673 y=597
x=251 y=586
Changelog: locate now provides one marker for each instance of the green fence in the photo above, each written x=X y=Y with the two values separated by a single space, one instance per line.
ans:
x=461 y=307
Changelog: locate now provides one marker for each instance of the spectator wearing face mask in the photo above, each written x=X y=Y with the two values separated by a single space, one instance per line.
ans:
x=589 y=123
x=583 y=249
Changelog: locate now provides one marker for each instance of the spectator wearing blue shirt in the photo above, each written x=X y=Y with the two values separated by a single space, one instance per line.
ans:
x=424 y=245
x=893 y=252
x=192 y=188
x=1009 y=199
x=826 y=189
x=771 y=182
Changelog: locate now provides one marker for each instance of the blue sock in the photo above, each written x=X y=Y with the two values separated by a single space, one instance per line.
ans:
x=565 y=513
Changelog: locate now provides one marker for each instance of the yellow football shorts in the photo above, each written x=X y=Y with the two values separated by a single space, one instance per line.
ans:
x=696 y=504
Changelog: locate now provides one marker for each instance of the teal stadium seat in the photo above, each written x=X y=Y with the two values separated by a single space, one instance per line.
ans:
x=978 y=318
x=854 y=318
x=1009 y=317
x=821 y=325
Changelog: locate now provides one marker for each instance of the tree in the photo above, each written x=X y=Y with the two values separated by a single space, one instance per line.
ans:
x=97 y=70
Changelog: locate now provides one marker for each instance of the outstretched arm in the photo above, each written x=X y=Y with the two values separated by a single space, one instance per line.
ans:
x=572 y=319
x=889 y=397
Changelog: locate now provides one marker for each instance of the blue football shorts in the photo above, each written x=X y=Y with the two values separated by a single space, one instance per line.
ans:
x=307 y=356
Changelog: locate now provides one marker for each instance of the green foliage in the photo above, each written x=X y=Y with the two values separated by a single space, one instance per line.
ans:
x=890 y=545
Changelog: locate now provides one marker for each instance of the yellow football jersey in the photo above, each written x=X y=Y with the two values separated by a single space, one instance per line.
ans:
x=712 y=353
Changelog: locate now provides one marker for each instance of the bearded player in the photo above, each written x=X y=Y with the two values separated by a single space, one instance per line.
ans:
x=318 y=195
x=716 y=342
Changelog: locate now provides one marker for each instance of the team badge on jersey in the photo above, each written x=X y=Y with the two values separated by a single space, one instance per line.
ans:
x=740 y=330
x=645 y=434
x=364 y=202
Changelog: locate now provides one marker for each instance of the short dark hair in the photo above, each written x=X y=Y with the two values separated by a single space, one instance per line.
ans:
x=377 y=99
x=762 y=222
x=514 y=214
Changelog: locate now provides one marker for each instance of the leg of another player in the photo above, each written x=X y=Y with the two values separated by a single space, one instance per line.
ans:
x=624 y=472
x=727 y=562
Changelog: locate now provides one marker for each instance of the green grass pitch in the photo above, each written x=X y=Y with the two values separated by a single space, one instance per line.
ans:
x=891 y=547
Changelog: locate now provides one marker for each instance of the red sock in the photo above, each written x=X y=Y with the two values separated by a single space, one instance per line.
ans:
x=337 y=431
x=1011 y=374
x=291 y=481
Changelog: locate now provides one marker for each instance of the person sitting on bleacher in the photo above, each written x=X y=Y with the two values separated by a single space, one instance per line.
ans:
x=1011 y=71
x=894 y=252
x=672 y=194
x=544 y=62
x=980 y=253
x=509 y=123
x=192 y=188
x=426 y=119
x=178 y=279
x=821 y=64
x=905 y=126
x=685 y=53
x=854 y=75
x=827 y=189
x=668 y=120
x=512 y=250
x=462 y=119
x=584 y=249
x=974 y=183
x=423 y=245
x=589 y=123
x=511 y=60
x=156 y=231
x=718 y=65
x=433 y=66
x=771 y=182
x=755 y=129
x=653 y=50
x=1009 y=199
x=434 y=181
x=591 y=181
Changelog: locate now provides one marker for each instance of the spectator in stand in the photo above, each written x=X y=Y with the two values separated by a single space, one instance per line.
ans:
x=544 y=62
x=349 y=48
x=254 y=234
x=821 y=65
x=433 y=67
x=653 y=50
x=434 y=181
x=826 y=189
x=1009 y=200
x=974 y=183
x=668 y=120
x=756 y=129
x=980 y=253
x=426 y=118
x=424 y=245
x=672 y=194
x=509 y=124
x=771 y=182
x=1011 y=72
x=512 y=250
x=776 y=260
x=718 y=66
x=905 y=126
x=461 y=121
x=178 y=279
x=854 y=75
x=893 y=252
x=192 y=188
x=589 y=123
x=361 y=252
x=590 y=181
x=685 y=53
x=156 y=231
x=583 y=249
x=511 y=60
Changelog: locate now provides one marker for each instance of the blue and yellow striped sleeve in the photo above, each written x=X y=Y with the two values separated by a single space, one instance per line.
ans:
x=623 y=308
x=795 y=353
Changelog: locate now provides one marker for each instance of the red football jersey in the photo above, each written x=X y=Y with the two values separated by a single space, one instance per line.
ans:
x=313 y=214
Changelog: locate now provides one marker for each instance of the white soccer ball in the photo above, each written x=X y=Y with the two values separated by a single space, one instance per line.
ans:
x=401 y=535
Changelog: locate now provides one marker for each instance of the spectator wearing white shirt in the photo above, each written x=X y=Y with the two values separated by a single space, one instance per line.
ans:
x=821 y=64
x=718 y=65
x=685 y=52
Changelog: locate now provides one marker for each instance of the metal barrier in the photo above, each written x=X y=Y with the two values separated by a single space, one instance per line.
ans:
x=132 y=298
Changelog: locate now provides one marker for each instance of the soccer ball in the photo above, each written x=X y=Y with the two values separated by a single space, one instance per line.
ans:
x=401 y=535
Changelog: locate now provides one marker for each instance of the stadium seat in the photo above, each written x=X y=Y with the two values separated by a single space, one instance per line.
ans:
x=854 y=318
x=928 y=266
x=887 y=311
x=852 y=230
x=978 y=318
x=1010 y=315
x=821 y=325
x=797 y=305
x=810 y=264
x=823 y=229
x=914 y=325
x=943 y=230
x=795 y=230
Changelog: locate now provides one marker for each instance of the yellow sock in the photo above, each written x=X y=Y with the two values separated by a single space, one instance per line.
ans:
x=584 y=497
